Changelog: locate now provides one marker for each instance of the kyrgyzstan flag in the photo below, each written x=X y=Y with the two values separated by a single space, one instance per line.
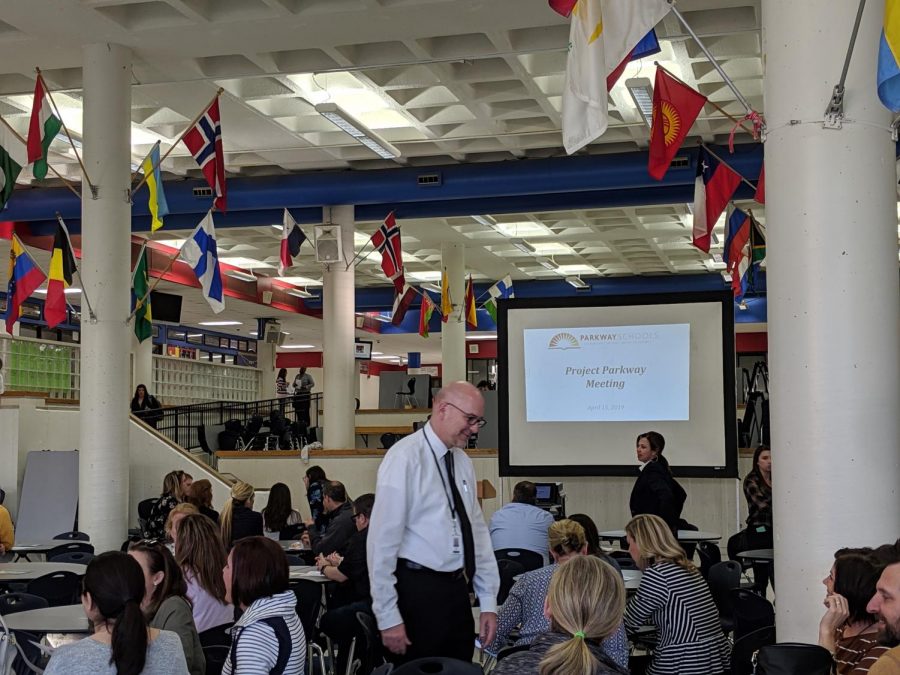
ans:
x=675 y=107
x=713 y=187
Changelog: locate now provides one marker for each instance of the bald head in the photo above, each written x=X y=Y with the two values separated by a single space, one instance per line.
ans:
x=454 y=406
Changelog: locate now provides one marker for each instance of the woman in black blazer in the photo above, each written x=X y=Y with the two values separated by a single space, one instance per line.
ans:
x=656 y=491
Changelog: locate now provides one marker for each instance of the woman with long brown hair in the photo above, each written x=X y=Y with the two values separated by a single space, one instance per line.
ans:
x=201 y=497
x=200 y=554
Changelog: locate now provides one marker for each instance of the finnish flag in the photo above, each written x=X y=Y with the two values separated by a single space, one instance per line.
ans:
x=199 y=251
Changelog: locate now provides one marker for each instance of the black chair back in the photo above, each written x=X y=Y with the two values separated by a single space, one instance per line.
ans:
x=57 y=588
x=509 y=570
x=74 y=557
x=736 y=544
x=369 y=649
x=527 y=559
x=709 y=555
x=438 y=664
x=300 y=558
x=291 y=532
x=512 y=649
x=751 y=612
x=216 y=655
x=411 y=385
x=10 y=603
x=74 y=547
x=626 y=562
x=744 y=649
x=309 y=603
x=73 y=536
x=723 y=577
x=793 y=658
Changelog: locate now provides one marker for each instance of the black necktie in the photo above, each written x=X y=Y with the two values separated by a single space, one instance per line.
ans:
x=464 y=523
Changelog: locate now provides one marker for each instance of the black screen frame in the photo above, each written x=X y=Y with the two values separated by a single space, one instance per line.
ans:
x=725 y=297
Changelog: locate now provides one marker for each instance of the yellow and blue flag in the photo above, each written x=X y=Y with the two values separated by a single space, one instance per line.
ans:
x=159 y=209
x=889 y=57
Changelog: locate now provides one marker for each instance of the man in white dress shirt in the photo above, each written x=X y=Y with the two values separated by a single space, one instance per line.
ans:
x=428 y=540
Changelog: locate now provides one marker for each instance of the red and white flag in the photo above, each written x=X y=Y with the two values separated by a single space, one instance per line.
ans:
x=292 y=239
x=402 y=302
x=714 y=186
x=387 y=242
x=204 y=140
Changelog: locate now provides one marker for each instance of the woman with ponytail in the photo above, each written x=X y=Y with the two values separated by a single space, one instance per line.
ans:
x=584 y=605
x=524 y=607
x=238 y=519
x=122 y=643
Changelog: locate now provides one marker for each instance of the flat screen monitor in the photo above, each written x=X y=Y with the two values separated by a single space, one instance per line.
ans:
x=362 y=350
x=165 y=307
x=543 y=492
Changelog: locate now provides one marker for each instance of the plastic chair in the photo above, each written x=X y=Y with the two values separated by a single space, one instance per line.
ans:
x=291 y=532
x=527 y=559
x=709 y=555
x=723 y=577
x=408 y=397
x=509 y=569
x=10 y=603
x=796 y=658
x=626 y=562
x=74 y=547
x=216 y=655
x=144 y=509
x=75 y=535
x=310 y=603
x=438 y=664
x=512 y=649
x=57 y=588
x=744 y=649
x=75 y=558
x=370 y=654
x=751 y=612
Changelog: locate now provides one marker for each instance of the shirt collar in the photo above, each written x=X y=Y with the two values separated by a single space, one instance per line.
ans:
x=436 y=443
x=643 y=465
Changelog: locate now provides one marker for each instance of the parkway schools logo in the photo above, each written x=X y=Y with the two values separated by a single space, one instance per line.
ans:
x=563 y=341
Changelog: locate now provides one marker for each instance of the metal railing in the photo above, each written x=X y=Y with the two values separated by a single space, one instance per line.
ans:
x=180 y=424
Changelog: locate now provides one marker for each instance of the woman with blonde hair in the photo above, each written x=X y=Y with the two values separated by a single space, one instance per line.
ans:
x=238 y=519
x=675 y=598
x=175 y=516
x=524 y=607
x=584 y=605
x=176 y=485
x=201 y=556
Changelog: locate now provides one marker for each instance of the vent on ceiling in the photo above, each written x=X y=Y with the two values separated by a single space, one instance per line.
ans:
x=428 y=179
x=203 y=192
x=680 y=162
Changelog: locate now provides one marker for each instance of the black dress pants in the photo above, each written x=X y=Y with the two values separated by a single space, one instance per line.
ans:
x=436 y=612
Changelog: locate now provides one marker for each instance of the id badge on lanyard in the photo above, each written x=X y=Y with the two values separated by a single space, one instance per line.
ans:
x=455 y=537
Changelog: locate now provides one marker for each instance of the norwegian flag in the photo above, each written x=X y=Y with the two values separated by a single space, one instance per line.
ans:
x=387 y=242
x=204 y=140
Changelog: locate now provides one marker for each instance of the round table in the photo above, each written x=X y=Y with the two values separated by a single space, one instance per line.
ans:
x=26 y=571
x=66 y=619
x=308 y=572
x=685 y=536
x=758 y=555
x=25 y=548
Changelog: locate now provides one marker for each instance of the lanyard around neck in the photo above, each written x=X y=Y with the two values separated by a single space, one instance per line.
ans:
x=448 y=493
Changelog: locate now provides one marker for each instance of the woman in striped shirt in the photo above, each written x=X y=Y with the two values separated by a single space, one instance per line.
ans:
x=674 y=598
x=847 y=630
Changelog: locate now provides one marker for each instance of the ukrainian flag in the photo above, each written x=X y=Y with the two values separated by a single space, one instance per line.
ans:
x=889 y=57
x=159 y=209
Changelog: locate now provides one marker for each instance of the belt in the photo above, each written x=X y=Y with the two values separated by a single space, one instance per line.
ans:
x=416 y=567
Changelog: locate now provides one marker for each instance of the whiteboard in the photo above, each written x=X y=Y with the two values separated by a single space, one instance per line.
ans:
x=49 y=499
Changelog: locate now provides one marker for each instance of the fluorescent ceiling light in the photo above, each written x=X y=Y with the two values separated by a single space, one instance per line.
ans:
x=253 y=332
x=577 y=269
x=190 y=335
x=432 y=287
x=577 y=282
x=642 y=94
x=220 y=323
x=553 y=248
x=487 y=221
x=246 y=263
x=278 y=226
x=377 y=353
x=358 y=131
x=547 y=263
x=424 y=276
x=68 y=291
x=300 y=293
x=523 y=246
x=387 y=358
x=297 y=346
x=237 y=274
x=524 y=228
x=481 y=337
x=300 y=281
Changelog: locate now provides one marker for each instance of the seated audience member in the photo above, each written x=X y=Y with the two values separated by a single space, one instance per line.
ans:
x=176 y=485
x=315 y=480
x=885 y=606
x=165 y=603
x=339 y=525
x=352 y=593
x=201 y=556
x=175 y=516
x=268 y=632
x=201 y=497
x=584 y=605
x=674 y=598
x=279 y=512
x=847 y=630
x=524 y=608
x=238 y=519
x=592 y=536
x=7 y=531
x=521 y=524
x=122 y=643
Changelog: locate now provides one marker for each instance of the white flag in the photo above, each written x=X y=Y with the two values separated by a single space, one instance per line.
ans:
x=200 y=252
x=602 y=35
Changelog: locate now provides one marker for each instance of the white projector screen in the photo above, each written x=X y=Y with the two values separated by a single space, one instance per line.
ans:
x=580 y=378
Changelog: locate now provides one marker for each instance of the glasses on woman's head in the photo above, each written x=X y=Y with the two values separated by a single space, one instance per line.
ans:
x=471 y=420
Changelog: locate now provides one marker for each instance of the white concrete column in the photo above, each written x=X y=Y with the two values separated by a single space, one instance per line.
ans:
x=834 y=310
x=453 y=333
x=338 y=312
x=265 y=361
x=142 y=364
x=105 y=343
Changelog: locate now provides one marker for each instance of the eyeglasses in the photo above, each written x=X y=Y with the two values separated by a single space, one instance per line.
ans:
x=357 y=515
x=471 y=420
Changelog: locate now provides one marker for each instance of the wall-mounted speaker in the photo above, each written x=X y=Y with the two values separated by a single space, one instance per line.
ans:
x=328 y=244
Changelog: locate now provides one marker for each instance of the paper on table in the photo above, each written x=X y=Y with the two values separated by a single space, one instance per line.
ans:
x=14 y=571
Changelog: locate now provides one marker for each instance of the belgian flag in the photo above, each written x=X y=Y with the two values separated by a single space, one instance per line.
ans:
x=62 y=267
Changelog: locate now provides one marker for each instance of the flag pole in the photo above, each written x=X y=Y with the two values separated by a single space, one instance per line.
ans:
x=366 y=245
x=180 y=138
x=155 y=283
x=710 y=102
x=91 y=314
x=49 y=94
x=722 y=161
x=712 y=59
x=141 y=166
x=49 y=166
